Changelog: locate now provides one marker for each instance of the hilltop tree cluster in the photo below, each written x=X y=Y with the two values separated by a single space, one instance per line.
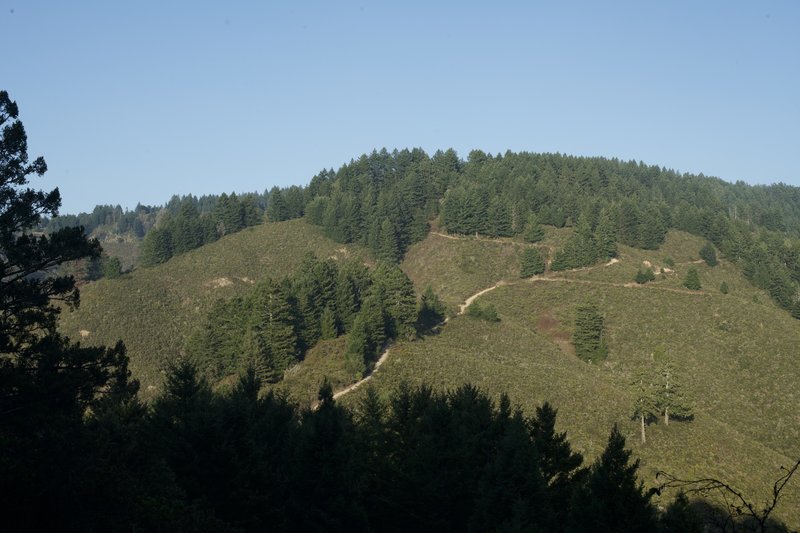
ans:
x=386 y=201
x=187 y=229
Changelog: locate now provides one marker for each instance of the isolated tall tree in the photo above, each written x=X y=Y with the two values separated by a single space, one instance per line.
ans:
x=670 y=399
x=588 y=336
x=645 y=402
x=692 y=280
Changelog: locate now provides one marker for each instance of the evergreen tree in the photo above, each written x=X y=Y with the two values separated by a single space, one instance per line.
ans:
x=612 y=499
x=498 y=223
x=560 y=466
x=274 y=326
x=533 y=231
x=277 y=210
x=352 y=285
x=644 y=275
x=431 y=311
x=328 y=323
x=112 y=267
x=531 y=263
x=588 y=336
x=387 y=249
x=670 y=399
x=606 y=236
x=723 y=288
x=645 y=402
x=692 y=280
x=156 y=247
x=48 y=386
x=358 y=347
x=399 y=300
x=708 y=255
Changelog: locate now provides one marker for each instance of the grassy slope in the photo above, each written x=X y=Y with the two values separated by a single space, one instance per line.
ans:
x=735 y=353
x=155 y=309
x=736 y=357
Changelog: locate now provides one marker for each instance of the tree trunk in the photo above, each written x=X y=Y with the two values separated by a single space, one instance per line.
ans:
x=666 y=416
x=644 y=439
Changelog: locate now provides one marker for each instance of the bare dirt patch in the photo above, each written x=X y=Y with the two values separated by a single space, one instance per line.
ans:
x=550 y=327
x=218 y=283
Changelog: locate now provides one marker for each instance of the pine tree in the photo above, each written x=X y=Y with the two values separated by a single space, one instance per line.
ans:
x=612 y=498
x=531 y=263
x=156 y=247
x=399 y=300
x=387 y=249
x=692 y=280
x=358 y=347
x=498 y=223
x=533 y=230
x=605 y=236
x=277 y=209
x=274 y=325
x=328 y=323
x=431 y=311
x=723 y=288
x=645 y=402
x=670 y=400
x=708 y=254
x=561 y=467
x=588 y=336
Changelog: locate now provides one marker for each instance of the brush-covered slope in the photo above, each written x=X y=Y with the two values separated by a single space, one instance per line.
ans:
x=154 y=310
x=734 y=353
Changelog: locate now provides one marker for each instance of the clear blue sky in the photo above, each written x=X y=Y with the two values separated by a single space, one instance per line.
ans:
x=135 y=101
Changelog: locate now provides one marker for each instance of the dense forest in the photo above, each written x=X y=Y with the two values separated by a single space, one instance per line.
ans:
x=387 y=201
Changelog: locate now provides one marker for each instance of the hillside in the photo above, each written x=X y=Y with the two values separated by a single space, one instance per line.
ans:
x=154 y=310
x=734 y=353
x=461 y=228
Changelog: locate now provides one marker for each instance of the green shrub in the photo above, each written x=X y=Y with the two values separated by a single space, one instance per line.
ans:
x=692 y=281
x=480 y=312
x=644 y=275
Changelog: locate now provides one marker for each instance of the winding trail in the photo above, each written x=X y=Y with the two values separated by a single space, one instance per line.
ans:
x=534 y=279
x=350 y=388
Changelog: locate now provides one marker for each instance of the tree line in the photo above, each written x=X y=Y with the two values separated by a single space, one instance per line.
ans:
x=387 y=200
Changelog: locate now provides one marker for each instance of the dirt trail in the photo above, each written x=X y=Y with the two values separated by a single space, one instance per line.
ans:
x=385 y=355
x=549 y=278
